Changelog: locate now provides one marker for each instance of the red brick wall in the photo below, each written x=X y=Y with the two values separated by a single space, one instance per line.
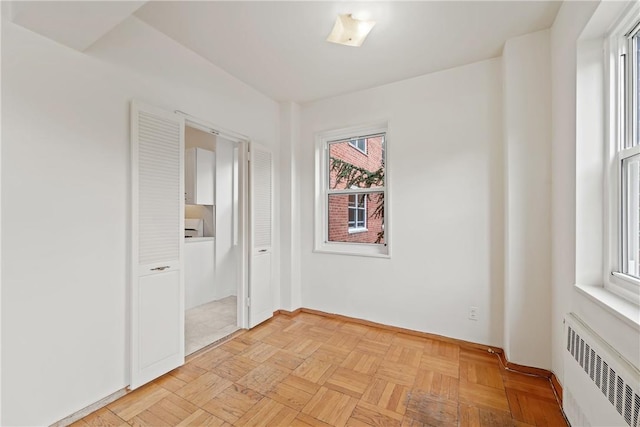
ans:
x=338 y=204
x=344 y=151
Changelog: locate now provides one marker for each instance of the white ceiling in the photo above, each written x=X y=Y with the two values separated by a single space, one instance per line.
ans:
x=77 y=24
x=279 y=48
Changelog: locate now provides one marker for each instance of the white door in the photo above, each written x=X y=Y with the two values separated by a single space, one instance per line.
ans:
x=261 y=234
x=157 y=282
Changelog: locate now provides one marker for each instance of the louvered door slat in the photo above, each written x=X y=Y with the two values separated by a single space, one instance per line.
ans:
x=262 y=195
x=159 y=189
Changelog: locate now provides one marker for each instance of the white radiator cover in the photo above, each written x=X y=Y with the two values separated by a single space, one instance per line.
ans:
x=601 y=388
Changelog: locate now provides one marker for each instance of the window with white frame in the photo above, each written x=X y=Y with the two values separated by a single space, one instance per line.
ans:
x=351 y=189
x=625 y=124
x=360 y=144
x=357 y=213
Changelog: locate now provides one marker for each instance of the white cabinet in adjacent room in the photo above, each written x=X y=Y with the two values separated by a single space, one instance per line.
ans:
x=200 y=175
x=199 y=271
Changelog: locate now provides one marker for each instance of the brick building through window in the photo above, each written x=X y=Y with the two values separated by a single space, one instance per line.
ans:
x=356 y=163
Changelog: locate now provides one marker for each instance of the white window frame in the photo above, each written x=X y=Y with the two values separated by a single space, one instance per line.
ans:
x=355 y=229
x=321 y=217
x=622 y=132
x=354 y=143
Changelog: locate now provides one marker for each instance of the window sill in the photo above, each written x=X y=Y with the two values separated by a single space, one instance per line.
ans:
x=358 y=230
x=356 y=249
x=620 y=307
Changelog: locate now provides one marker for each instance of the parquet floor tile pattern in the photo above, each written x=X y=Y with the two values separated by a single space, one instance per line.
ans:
x=311 y=370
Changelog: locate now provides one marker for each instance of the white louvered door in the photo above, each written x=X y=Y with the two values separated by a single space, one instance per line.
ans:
x=157 y=283
x=261 y=234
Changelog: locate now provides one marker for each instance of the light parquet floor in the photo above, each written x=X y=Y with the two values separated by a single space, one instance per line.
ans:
x=311 y=370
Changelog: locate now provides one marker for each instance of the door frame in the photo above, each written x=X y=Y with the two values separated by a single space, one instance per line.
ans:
x=242 y=143
x=243 y=234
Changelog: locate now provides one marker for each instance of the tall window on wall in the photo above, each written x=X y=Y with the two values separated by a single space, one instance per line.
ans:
x=351 y=191
x=625 y=142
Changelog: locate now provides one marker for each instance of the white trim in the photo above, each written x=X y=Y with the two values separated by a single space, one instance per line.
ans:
x=209 y=127
x=619 y=118
x=356 y=249
x=621 y=308
x=344 y=134
x=242 y=145
x=624 y=285
x=243 y=234
x=628 y=152
x=626 y=277
x=355 y=190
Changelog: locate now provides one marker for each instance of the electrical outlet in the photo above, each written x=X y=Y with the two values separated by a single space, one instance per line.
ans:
x=473 y=313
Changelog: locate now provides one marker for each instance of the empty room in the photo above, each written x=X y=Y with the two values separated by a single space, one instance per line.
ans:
x=320 y=213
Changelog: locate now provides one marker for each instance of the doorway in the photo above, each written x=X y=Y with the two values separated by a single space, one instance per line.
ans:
x=212 y=247
x=159 y=190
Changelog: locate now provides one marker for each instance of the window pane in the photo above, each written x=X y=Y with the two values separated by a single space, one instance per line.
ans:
x=631 y=174
x=359 y=143
x=361 y=224
x=349 y=167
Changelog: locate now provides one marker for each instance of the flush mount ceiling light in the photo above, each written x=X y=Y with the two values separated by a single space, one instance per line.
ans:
x=350 y=31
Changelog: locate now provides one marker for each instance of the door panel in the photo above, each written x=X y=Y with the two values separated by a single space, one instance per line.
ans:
x=158 y=293
x=261 y=218
x=157 y=282
x=261 y=294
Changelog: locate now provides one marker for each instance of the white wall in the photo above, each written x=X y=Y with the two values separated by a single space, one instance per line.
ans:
x=65 y=201
x=290 y=196
x=527 y=134
x=568 y=24
x=227 y=257
x=446 y=212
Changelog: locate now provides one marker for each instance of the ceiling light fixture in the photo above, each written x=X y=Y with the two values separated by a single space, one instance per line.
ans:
x=350 y=31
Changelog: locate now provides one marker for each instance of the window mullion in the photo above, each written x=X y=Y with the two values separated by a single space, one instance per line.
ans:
x=623 y=203
x=629 y=88
x=633 y=71
x=349 y=191
x=628 y=152
x=623 y=104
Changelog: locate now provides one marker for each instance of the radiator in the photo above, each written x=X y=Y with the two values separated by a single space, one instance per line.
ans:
x=601 y=388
